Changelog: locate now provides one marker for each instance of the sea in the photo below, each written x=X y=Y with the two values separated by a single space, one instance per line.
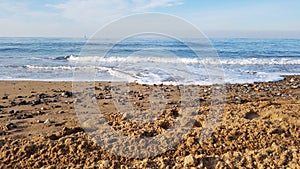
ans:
x=149 y=60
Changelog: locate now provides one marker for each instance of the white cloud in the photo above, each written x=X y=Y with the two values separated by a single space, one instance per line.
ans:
x=106 y=10
x=158 y=3
x=91 y=10
x=68 y=18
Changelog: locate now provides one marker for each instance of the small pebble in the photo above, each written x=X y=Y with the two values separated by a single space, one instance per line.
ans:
x=66 y=94
x=10 y=126
x=61 y=112
x=48 y=121
x=40 y=121
x=108 y=97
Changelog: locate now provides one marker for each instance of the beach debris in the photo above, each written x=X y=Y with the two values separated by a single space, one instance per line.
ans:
x=36 y=102
x=295 y=87
x=201 y=99
x=56 y=106
x=11 y=112
x=10 y=126
x=61 y=112
x=66 y=94
x=107 y=88
x=43 y=95
x=23 y=102
x=48 y=122
x=40 y=121
x=130 y=92
x=23 y=116
x=108 y=97
x=12 y=103
x=100 y=96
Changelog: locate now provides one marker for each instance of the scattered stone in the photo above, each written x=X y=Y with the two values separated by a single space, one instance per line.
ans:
x=12 y=103
x=130 y=91
x=61 y=112
x=294 y=87
x=40 y=121
x=66 y=94
x=48 y=122
x=68 y=102
x=10 y=126
x=24 y=116
x=56 y=106
x=2 y=133
x=36 y=102
x=107 y=88
x=5 y=97
x=43 y=95
x=108 y=97
x=23 y=102
x=200 y=99
x=100 y=96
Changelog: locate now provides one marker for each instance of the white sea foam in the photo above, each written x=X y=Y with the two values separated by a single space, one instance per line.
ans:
x=49 y=67
x=234 y=61
x=33 y=67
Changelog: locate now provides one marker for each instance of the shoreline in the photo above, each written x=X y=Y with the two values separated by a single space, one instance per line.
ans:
x=260 y=127
x=99 y=81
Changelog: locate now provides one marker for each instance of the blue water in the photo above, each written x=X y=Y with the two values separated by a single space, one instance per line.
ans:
x=148 y=60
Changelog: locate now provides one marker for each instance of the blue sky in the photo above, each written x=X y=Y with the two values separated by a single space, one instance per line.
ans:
x=76 y=18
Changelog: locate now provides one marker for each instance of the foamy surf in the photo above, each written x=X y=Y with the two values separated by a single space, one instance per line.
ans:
x=231 y=61
x=243 y=60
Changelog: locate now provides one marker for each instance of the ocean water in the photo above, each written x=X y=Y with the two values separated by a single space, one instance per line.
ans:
x=148 y=60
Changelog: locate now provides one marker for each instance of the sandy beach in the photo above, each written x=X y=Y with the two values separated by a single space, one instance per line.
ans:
x=260 y=127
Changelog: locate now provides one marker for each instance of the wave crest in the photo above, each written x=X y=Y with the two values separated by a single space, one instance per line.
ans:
x=234 y=61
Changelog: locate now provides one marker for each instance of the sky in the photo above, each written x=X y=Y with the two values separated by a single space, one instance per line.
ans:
x=215 y=18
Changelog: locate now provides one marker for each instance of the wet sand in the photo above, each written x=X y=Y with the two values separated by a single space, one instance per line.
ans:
x=260 y=127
